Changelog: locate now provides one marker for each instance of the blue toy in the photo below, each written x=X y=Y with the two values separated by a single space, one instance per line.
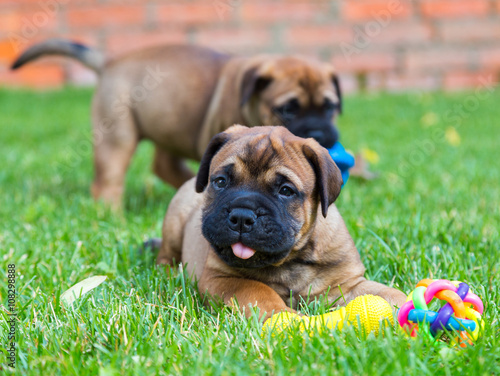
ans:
x=342 y=159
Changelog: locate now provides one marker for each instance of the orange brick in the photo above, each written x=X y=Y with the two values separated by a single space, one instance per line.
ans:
x=34 y=5
x=365 y=62
x=286 y=2
x=438 y=58
x=27 y=25
x=234 y=40
x=79 y=3
x=38 y=75
x=5 y=4
x=372 y=33
x=272 y=12
x=356 y=10
x=8 y=51
x=123 y=42
x=297 y=36
x=10 y=21
x=463 y=80
x=470 y=30
x=404 y=33
x=490 y=57
x=106 y=16
x=454 y=8
x=190 y=13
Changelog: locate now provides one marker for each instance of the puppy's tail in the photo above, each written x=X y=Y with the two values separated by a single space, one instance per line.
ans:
x=87 y=56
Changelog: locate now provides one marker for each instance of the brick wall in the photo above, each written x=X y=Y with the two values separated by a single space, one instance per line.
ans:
x=375 y=44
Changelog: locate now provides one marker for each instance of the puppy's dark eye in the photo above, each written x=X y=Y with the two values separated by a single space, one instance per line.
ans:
x=286 y=191
x=291 y=106
x=289 y=110
x=328 y=105
x=220 y=182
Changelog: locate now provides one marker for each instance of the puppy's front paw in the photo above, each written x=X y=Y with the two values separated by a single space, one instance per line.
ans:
x=395 y=298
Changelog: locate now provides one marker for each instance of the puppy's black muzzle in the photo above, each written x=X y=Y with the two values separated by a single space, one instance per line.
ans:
x=252 y=218
x=318 y=128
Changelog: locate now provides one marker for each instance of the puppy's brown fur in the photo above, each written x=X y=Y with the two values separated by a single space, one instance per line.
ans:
x=323 y=256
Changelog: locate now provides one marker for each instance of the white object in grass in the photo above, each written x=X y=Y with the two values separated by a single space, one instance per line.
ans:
x=81 y=288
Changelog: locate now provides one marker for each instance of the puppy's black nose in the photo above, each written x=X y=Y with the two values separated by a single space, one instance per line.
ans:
x=241 y=219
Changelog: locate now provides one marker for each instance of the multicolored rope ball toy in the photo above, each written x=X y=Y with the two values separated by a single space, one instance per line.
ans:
x=462 y=311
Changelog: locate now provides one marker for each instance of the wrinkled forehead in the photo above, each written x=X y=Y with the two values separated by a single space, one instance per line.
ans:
x=264 y=160
x=309 y=82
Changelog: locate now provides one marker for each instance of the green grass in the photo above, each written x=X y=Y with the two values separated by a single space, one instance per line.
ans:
x=429 y=214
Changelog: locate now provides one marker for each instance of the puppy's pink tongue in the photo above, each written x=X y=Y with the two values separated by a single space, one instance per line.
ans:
x=242 y=251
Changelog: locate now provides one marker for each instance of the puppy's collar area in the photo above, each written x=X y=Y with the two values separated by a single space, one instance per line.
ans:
x=342 y=159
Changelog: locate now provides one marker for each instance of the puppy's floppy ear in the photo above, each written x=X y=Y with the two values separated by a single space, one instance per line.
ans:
x=338 y=91
x=328 y=176
x=252 y=83
x=216 y=143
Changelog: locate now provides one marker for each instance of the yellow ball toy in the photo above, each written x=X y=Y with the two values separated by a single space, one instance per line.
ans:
x=367 y=310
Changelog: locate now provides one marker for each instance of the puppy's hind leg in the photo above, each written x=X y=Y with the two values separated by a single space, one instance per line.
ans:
x=113 y=150
x=172 y=170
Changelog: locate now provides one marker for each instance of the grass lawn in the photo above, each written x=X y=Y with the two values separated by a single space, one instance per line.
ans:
x=433 y=212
